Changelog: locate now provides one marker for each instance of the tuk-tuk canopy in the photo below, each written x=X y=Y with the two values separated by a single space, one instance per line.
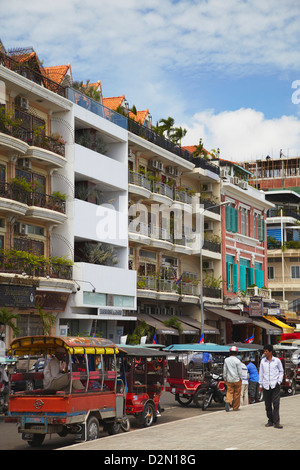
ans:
x=204 y=347
x=140 y=351
x=73 y=345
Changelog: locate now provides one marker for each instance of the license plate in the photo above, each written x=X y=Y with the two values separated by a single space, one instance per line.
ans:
x=27 y=436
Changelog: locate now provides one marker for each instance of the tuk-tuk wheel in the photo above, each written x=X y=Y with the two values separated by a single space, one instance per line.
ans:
x=147 y=416
x=92 y=428
x=183 y=399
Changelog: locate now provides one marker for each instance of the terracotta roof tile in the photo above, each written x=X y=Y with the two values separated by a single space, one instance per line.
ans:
x=57 y=73
x=113 y=102
x=140 y=116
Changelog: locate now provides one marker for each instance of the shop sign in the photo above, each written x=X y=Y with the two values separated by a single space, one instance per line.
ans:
x=17 y=296
x=256 y=307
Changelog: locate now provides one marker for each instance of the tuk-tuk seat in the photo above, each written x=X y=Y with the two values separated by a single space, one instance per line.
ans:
x=177 y=369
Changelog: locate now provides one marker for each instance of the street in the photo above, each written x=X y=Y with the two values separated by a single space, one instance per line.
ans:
x=10 y=439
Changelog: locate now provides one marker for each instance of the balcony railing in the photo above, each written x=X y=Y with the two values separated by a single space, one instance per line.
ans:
x=160 y=188
x=168 y=285
x=31 y=74
x=9 y=191
x=31 y=138
x=212 y=246
x=95 y=107
x=40 y=267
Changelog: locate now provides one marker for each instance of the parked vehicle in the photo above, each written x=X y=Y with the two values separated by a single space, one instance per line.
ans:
x=216 y=390
x=79 y=412
x=189 y=385
x=143 y=371
x=289 y=356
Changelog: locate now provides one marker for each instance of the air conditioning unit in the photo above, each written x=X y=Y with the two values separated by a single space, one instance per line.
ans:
x=153 y=163
x=24 y=163
x=224 y=173
x=208 y=226
x=22 y=102
x=208 y=265
x=236 y=180
x=21 y=229
x=206 y=188
x=243 y=184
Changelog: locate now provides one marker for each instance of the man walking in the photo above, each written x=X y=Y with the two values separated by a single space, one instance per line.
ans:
x=232 y=374
x=270 y=378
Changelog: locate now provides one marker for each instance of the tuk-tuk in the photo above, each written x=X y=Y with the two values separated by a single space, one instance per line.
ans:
x=143 y=371
x=99 y=401
x=289 y=356
x=190 y=367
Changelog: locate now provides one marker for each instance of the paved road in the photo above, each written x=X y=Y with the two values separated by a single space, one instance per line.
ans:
x=241 y=430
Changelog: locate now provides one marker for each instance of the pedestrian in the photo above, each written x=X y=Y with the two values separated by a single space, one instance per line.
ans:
x=270 y=378
x=245 y=383
x=253 y=386
x=232 y=374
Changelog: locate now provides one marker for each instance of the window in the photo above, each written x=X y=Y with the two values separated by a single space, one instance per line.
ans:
x=295 y=272
x=244 y=230
x=232 y=274
x=271 y=272
x=232 y=219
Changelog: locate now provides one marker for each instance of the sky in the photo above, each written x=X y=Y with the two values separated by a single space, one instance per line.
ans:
x=226 y=71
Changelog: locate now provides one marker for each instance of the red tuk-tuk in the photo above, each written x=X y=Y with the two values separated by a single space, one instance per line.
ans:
x=289 y=356
x=143 y=371
x=100 y=401
x=189 y=366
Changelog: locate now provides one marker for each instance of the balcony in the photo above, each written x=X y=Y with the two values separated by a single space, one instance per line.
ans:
x=26 y=203
x=31 y=74
x=21 y=262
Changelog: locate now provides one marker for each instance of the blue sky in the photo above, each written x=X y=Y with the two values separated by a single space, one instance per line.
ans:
x=222 y=69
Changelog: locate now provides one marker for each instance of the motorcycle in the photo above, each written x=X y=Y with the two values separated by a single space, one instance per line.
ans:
x=216 y=390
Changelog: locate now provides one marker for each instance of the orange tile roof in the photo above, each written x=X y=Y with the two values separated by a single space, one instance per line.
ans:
x=113 y=102
x=140 y=116
x=57 y=73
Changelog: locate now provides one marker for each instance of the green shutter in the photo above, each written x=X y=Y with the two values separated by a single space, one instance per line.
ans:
x=228 y=218
x=251 y=276
x=235 y=278
x=243 y=278
x=228 y=274
x=259 y=278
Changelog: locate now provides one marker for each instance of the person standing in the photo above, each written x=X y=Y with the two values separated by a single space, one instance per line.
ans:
x=253 y=381
x=245 y=383
x=270 y=377
x=232 y=374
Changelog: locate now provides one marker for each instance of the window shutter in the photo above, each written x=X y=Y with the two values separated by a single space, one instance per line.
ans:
x=251 y=276
x=243 y=279
x=235 y=278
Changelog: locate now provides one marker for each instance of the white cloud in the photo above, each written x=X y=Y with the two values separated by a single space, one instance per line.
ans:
x=244 y=134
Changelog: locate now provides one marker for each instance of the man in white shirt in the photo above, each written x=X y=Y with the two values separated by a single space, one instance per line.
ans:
x=270 y=378
x=232 y=374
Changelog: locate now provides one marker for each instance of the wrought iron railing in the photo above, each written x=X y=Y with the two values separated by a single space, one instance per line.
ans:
x=30 y=74
x=32 y=198
x=38 y=268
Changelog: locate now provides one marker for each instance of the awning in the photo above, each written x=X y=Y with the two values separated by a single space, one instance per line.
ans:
x=285 y=328
x=236 y=319
x=207 y=328
x=186 y=328
x=266 y=326
x=159 y=326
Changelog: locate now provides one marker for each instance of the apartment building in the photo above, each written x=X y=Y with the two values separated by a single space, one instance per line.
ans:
x=166 y=187
x=280 y=180
x=244 y=250
x=63 y=203
x=35 y=208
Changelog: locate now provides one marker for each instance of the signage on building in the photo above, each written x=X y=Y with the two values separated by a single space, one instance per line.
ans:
x=256 y=307
x=51 y=300
x=103 y=311
x=17 y=296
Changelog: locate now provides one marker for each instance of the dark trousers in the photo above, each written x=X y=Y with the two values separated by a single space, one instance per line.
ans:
x=272 y=399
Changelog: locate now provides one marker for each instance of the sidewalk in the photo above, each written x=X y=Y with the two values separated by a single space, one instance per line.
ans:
x=239 y=430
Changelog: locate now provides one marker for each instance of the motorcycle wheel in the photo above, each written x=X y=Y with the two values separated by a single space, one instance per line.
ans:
x=199 y=398
x=207 y=401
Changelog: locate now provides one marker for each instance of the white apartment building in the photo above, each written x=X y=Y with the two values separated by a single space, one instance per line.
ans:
x=63 y=204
